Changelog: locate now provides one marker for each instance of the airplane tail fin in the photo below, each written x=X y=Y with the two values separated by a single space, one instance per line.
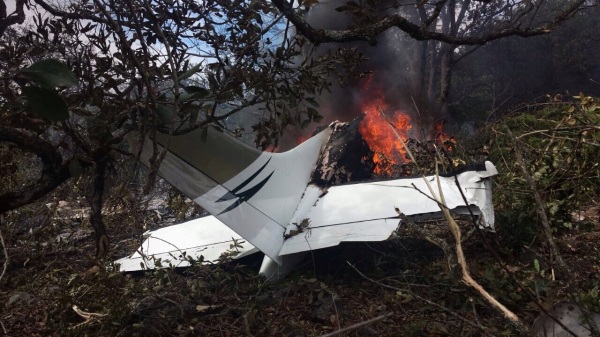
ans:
x=254 y=193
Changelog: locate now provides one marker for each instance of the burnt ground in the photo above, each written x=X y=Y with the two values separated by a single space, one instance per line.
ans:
x=51 y=268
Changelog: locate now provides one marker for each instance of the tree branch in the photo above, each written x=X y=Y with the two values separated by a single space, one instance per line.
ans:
x=541 y=210
x=54 y=172
x=96 y=203
x=6 y=258
x=17 y=17
x=369 y=33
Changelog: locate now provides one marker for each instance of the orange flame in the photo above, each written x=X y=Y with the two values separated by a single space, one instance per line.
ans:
x=442 y=139
x=302 y=138
x=376 y=131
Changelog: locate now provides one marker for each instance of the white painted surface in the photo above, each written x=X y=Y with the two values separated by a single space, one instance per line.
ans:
x=366 y=212
x=262 y=220
x=207 y=237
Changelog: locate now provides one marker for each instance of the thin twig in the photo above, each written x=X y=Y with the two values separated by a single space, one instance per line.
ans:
x=456 y=233
x=337 y=314
x=171 y=301
x=446 y=310
x=6 y=259
x=88 y=316
x=357 y=325
x=541 y=210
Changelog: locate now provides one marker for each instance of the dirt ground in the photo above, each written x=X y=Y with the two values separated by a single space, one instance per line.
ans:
x=406 y=285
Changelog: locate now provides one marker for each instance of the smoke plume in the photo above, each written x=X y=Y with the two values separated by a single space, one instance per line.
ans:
x=389 y=67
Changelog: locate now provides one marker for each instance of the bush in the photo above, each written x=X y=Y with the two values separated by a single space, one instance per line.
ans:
x=560 y=142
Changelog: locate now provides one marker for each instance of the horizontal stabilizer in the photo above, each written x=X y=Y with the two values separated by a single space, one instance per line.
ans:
x=205 y=239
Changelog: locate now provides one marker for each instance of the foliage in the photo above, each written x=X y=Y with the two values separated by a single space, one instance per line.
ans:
x=184 y=208
x=560 y=141
x=147 y=65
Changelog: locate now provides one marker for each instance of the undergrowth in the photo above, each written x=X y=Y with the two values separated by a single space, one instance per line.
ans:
x=560 y=141
x=46 y=277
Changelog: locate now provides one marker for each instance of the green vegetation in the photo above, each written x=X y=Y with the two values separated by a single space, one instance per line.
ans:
x=561 y=143
x=79 y=78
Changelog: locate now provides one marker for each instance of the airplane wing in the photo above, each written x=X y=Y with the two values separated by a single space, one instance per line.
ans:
x=204 y=239
x=367 y=211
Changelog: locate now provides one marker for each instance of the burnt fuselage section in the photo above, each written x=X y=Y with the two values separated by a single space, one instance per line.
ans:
x=346 y=157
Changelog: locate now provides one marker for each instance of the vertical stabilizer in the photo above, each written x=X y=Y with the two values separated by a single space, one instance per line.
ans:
x=254 y=193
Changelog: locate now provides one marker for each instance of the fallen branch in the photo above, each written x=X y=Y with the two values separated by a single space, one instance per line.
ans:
x=466 y=275
x=456 y=234
x=417 y=296
x=5 y=265
x=88 y=316
x=357 y=325
x=501 y=263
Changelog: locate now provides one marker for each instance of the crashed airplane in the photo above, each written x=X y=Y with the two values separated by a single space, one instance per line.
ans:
x=286 y=204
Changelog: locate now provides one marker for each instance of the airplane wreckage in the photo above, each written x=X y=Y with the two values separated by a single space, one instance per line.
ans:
x=286 y=204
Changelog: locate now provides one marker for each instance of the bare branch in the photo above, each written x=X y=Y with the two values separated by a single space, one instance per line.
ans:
x=17 y=17
x=357 y=325
x=370 y=32
x=6 y=258
x=561 y=264
x=54 y=172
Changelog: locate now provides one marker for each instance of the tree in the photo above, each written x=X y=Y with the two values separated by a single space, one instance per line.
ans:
x=436 y=35
x=170 y=65
x=497 y=19
x=514 y=71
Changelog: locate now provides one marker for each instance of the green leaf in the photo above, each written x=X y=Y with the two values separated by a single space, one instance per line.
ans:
x=190 y=71
x=75 y=168
x=165 y=113
x=312 y=113
x=46 y=103
x=304 y=124
x=50 y=73
x=194 y=92
x=312 y=101
x=194 y=89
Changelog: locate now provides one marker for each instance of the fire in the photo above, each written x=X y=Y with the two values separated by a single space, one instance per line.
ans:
x=302 y=138
x=376 y=131
x=443 y=139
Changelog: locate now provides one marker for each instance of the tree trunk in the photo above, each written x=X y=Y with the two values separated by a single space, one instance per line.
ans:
x=96 y=202
x=446 y=64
